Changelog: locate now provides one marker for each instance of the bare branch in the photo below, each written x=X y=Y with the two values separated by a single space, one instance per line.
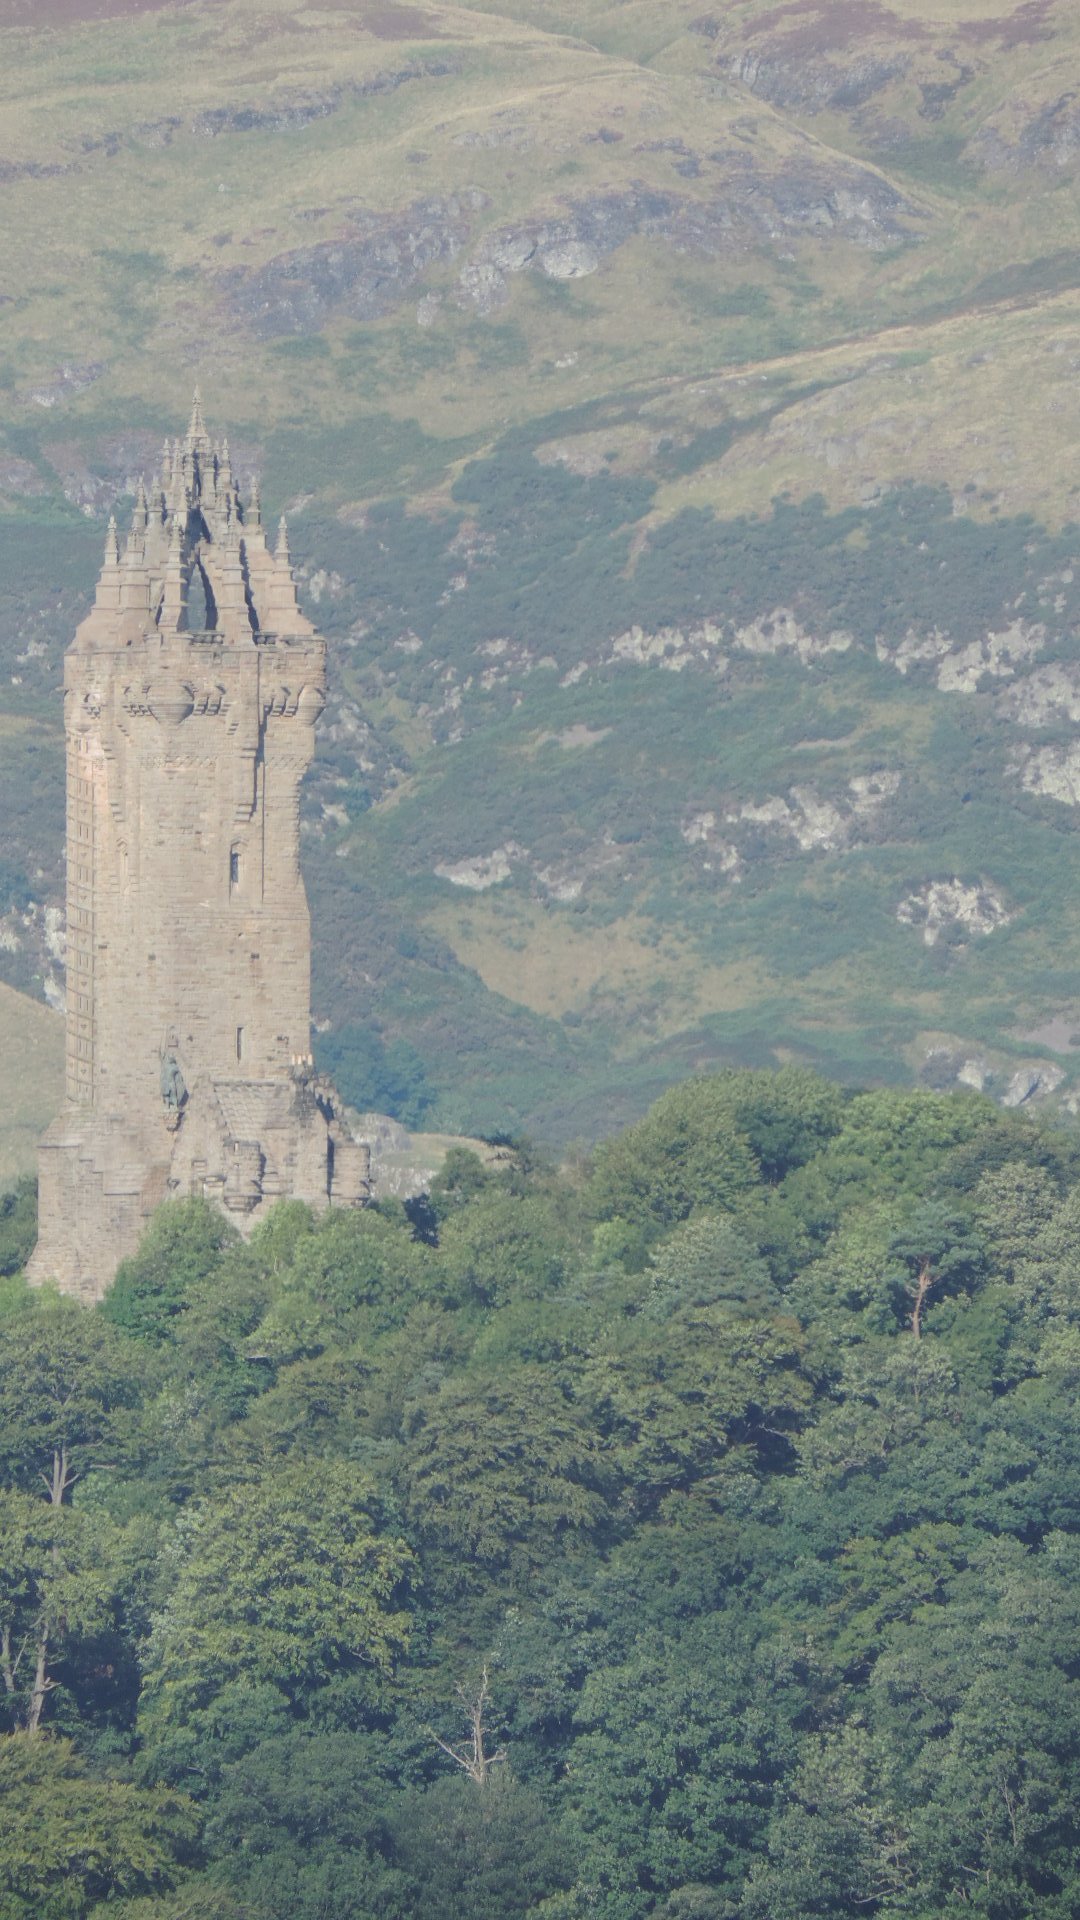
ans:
x=474 y=1758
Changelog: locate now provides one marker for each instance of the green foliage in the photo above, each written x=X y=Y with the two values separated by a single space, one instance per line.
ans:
x=707 y=1261
x=71 y=1839
x=500 y=1474
x=67 y=1385
x=57 y=1587
x=503 y=1246
x=297 y=1824
x=741 y=1461
x=374 y=1075
x=183 y=1246
x=18 y=1226
x=476 y=1855
x=688 y=1152
x=279 y=1584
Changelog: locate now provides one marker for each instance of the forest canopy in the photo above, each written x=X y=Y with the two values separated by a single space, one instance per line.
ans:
x=693 y=1531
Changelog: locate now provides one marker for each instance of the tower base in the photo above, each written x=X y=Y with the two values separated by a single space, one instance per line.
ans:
x=242 y=1144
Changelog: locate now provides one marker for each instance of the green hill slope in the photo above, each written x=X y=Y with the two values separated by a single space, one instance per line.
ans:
x=677 y=413
x=32 y=1052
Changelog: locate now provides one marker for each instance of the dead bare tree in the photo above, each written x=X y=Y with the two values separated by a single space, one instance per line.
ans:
x=11 y=1660
x=472 y=1756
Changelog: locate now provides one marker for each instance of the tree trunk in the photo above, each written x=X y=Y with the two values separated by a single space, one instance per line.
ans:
x=61 y=1477
x=41 y=1687
x=923 y=1285
x=475 y=1760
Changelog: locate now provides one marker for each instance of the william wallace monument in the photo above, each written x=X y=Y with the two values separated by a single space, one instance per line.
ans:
x=188 y=938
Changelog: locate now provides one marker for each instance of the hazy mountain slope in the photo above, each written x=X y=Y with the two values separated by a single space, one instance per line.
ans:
x=530 y=314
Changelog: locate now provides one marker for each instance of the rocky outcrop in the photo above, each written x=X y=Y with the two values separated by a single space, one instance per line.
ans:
x=1020 y=136
x=1053 y=772
x=818 y=84
x=91 y=479
x=482 y=871
x=20 y=479
x=940 y=905
x=1027 y=1082
x=962 y=668
x=562 y=879
x=404 y=1164
x=670 y=647
x=816 y=824
x=720 y=855
x=813 y=823
x=781 y=632
x=1044 y=698
x=362 y=275
x=1030 y=1083
x=72 y=378
x=747 y=205
x=675 y=648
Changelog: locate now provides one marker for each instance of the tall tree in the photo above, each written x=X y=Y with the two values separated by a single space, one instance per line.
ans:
x=69 y=1840
x=279 y=1585
x=68 y=1383
x=57 y=1585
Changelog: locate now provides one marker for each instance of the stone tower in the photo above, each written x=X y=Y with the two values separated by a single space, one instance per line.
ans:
x=191 y=694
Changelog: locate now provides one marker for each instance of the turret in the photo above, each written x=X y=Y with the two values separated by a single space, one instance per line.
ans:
x=278 y=608
x=174 y=595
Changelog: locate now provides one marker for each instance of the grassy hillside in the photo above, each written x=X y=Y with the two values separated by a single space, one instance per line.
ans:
x=32 y=1047
x=677 y=413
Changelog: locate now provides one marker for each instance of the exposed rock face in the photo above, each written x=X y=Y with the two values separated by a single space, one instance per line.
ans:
x=675 y=648
x=1020 y=136
x=362 y=275
x=404 y=1164
x=1051 y=771
x=996 y=657
x=564 y=879
x=117 y=464
x=780 y=632
x=1032 y=1082
x=379 y=257
x=721 y=855
x=814 y=85
x=670 y=647
x=1045 y=697
x=745 y=207
x=67 y=380
x=192 y=690
x=962 y=669
x=1027 y=1082
x=940 y=904
x=478 y=874
x=289 y=110
x=19 y=479
x=816 y=824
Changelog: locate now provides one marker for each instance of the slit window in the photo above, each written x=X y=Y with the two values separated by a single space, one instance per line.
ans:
x=239 y=1043
x=234 y=867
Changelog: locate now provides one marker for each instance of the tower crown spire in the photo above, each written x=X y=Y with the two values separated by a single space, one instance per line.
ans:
x=196 y=425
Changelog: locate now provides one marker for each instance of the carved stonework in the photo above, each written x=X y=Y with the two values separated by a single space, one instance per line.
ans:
x=188 y=1021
